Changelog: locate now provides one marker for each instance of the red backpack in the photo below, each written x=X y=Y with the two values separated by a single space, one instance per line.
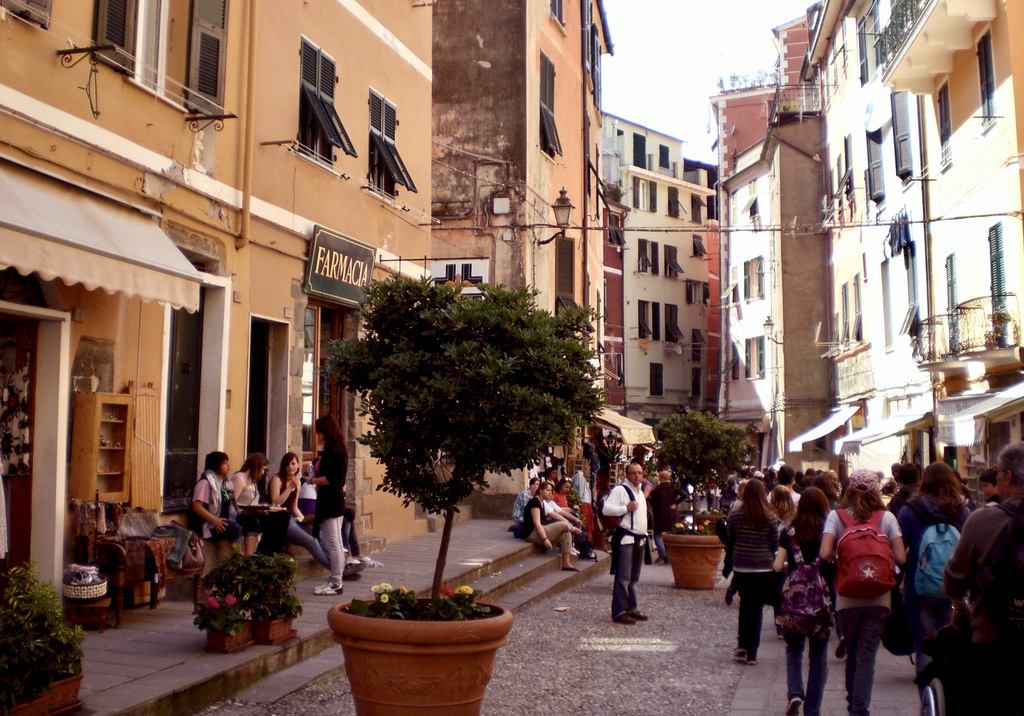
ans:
x=866 y=566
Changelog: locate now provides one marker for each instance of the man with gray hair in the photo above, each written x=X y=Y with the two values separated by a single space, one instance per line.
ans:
x=996 y=658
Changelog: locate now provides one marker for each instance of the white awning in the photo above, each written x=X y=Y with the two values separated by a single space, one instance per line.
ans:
x=632 y=431
x=967 y=427
x=878 y=430
x=57 y=230
x=830 y=423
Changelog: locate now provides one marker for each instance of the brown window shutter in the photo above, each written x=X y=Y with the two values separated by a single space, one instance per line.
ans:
x=565 y=258
x=38 y=11
x=208 y=53
x=115 y=25
x=901 y=133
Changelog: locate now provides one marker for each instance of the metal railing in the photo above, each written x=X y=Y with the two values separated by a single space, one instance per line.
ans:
x=795 y=99
x=934 y=337
x=986 y=323
x=901 y=22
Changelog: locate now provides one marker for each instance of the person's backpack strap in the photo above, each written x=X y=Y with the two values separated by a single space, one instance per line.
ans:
x=798 y=556
x=631 y=499
x=845 y=518
x=876 y=520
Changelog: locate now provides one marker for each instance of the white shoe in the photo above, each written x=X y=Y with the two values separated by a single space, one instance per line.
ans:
x=351 y=562
x=328 y=590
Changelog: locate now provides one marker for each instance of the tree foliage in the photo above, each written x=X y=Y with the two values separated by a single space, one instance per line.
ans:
x=454 y=387
x=702 y=447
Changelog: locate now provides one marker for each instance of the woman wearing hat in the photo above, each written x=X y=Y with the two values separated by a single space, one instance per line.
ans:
x=862 y=619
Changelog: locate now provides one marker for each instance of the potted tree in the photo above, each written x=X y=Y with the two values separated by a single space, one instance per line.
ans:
x=453 y=388
x=271 y=600
x=703 y=450
x=40 y=655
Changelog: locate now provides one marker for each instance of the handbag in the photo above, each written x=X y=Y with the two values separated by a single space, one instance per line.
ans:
x=187 y=553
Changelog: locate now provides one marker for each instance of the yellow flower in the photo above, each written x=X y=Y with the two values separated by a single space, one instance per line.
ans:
x=403 y=590
x=384 y=598
x=464 y=589
x=385 y=587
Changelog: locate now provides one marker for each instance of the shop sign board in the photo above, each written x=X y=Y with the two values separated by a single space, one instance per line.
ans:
x=339 y=267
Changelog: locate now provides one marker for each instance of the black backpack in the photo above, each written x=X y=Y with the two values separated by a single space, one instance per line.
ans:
x=1001 y=581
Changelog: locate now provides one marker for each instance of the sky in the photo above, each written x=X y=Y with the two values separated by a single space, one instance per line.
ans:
x=669 y=55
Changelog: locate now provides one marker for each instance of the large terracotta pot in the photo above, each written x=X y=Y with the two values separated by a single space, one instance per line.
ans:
x=61 y=698
x=397 y=666
x=694 y=559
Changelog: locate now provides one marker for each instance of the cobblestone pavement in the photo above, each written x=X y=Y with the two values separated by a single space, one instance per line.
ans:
x=578 y=662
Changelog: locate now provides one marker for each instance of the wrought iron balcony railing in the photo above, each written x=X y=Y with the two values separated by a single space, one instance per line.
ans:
x=795 y=100
x=901 y=21
x=934 y=336
x=985 y=323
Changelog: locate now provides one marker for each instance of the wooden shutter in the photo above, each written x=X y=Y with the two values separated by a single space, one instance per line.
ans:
x=38 y=11
x=759 y=267
x=901 y=133
x=862 y=48
x=746 y=280
x=997 y=266
x=565 y=255
x=654 y=258
x=652 y=203
x=656 y=321
x=876 y=177
x=748 y=348
x=207 y=55
x=639 y=150
x=951 y=283
x=986 y=75
x=115 y=25
x=945 y=123
x=376 y=113
x=760 y=357
x=663 y=158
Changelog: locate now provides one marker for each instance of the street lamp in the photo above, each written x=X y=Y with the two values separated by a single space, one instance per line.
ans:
x=562 y=209
x=769 y=331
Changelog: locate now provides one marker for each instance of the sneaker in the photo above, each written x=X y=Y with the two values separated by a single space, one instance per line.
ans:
x=351 y=562
x=752 y=662
x=729 y=594
x=794 y=706
x=328 y=590
x=841 y=649
x=739 y=654
x=364 y=559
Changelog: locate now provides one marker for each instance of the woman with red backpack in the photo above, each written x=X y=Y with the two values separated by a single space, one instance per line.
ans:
x=866 y=541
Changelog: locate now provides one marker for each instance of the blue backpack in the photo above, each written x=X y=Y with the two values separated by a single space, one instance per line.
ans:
x=938 y=541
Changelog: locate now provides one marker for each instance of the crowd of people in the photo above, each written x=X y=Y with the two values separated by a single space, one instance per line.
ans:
x=242 y=508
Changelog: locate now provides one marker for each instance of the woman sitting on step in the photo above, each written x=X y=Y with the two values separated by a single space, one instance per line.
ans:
x=284 y=491
x=545 y=535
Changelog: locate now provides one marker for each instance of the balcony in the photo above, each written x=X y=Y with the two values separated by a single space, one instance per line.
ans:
x=986 y=324
x=795 y=101
x=922 y=36
x=931 y=345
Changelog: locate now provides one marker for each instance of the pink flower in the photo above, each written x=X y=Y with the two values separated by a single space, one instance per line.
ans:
x=230 y=600
x=212 y=603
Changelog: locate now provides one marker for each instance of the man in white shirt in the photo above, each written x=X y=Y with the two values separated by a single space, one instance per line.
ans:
x=626 y=501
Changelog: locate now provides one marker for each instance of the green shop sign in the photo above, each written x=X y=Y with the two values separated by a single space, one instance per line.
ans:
x=339 y=267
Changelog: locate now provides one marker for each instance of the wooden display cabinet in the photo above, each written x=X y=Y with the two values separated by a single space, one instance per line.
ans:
x=100 y=446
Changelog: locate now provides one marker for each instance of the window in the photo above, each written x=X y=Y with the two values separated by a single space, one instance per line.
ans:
x=696 y=380
x=386 y=166
x=657 y=379
x=696 y=342
x=912 y=319
x=673 y=202
x=672 y=332
x=663 y=158
x=565 y=263
x=653 y=202
x=698 y=292
x=876 y=181
x=643 y=256
x=549 y=140
x=845 y=300
x=672 y=267
x=641 y=198
x=37 y=11
x=901 y=134
x=655 y=321
x=141 y=30
x=755 y=358
x=320 y=127
x=643 y=313
x=698 y=246
x=753 y=279
x=556 y=10
x=858 y=325
x=732 y=368
x=616 y=237
x=867 y=34
x=945 y=124
x=639 y=150
x=595 y=65
x=987 y=79
x=697 y=208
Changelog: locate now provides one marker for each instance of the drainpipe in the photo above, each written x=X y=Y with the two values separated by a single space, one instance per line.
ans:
x=248 y=132
x=926 y=223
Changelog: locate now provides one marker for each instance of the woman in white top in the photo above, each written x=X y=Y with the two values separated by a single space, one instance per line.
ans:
x=248 y=484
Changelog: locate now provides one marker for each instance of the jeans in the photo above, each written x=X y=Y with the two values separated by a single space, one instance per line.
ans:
x=299 y=535
x=755 y=590
x=817 y=673
x=232 y=532
x=862 y=629
x=330 y=533
x=926 y=615
x=348 y=533
x=627 y=574
x=659 y=542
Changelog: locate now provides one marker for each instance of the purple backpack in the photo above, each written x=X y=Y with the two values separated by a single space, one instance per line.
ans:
x=806 y=606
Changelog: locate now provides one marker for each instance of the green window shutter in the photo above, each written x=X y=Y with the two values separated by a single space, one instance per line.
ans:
x=654 y=258
x=901 y=134
x=207 y=55
x=663 y=156
x=986 y=76
x=565 y=256
x=746 y=280
x=115 y=25
x=652 y=204
x=862 y=48
x=945 y=123
x=759 y=267
x=951 y=282
x=997 y=265
x=876 y=180
x=760 y=357
x=639 y=150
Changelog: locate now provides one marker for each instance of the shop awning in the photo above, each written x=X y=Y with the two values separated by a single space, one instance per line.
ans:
x=59 y=231
x=881 y=429
x=967 y=427
x=633 y=432
x=830 y=423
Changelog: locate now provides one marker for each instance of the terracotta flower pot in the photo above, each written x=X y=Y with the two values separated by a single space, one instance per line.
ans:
x=62 y=697
x=397 y=666
x=273 y=632
x=224 y=643
x=694 y=559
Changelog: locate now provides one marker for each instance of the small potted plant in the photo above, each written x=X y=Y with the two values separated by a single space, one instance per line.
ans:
x=400 y=603
x=271 y=600
x=228 y=627
x=42 y=655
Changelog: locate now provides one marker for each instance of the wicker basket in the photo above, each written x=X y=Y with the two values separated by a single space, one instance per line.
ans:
x=85 y=591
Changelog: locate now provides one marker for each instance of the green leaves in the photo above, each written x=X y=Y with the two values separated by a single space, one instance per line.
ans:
x=702 y=448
